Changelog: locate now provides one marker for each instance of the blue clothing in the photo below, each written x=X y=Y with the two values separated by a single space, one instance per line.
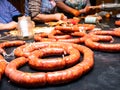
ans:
x=34 y=7
x=7 y=11
x=26 y=8
x=46 y=7
x=77 y=4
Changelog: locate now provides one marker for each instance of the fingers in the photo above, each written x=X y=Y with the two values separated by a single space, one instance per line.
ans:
x=60 y=16
x=63 y=17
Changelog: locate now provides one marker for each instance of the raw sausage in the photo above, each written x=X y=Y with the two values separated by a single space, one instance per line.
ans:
x=94 y=44
x=56 y=34
x=54 y=63
x=3 y=64
x=56 y=77
x=67 y=28
x=10 y=44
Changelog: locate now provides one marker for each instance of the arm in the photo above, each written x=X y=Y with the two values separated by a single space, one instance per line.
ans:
x=87 y=8
x=9 y=26
x=75 y=12
x=49 y=17
x=12 y=9
x=66 y=8
x=35 y=13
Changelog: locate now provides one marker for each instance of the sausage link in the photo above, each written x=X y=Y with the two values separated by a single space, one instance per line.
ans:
x=43 y=37
x=70 y=74
x=26 y=49
x=94 y=42
x=49 y=63
x=10 y=44
x=67 y=29
x=3 y=64
x=24 y=78
x=56 y=34
x=56 y=63
x=54 y=77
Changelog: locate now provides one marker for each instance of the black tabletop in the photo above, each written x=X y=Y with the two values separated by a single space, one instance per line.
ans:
x=105 y=74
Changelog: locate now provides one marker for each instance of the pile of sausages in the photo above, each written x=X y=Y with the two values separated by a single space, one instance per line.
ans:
x=93 y=43
x=71 y=34
x=56 y=70
x=76 y=35
x=66 y=66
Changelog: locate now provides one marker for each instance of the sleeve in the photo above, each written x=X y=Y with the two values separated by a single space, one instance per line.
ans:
x=34 y=7
x=12 y=9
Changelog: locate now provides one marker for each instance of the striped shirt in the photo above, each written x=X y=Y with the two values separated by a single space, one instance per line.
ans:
x=40 y=6
x=7 y=11
x=34 y=7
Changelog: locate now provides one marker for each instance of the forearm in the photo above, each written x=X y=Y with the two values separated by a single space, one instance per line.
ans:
x=9 y=26
x=4 y=26
x=67 y=9
x=44 y=17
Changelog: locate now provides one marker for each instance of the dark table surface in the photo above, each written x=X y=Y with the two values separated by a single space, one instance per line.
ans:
x=105 y=74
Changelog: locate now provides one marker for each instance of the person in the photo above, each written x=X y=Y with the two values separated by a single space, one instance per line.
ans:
x=43 y=10
x=74 y=7
x=8 y=15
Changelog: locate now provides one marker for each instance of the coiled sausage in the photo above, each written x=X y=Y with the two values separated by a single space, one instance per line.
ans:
x=54 y=63
x=55 y=77
x=94 y=44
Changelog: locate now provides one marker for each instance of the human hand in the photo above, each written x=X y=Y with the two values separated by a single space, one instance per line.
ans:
x=60 y=16
x=12 y=25
x=86 y=9
x=75 y=12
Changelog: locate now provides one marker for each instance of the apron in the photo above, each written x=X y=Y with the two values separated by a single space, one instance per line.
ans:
x=76 y=4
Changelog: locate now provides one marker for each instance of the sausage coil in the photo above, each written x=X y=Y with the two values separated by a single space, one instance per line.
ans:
x=55 y=77
x=94 y=44
x=57 y=63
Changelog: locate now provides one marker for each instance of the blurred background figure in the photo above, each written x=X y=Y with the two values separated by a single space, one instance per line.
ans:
x=73 y=7
x=43 y=10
